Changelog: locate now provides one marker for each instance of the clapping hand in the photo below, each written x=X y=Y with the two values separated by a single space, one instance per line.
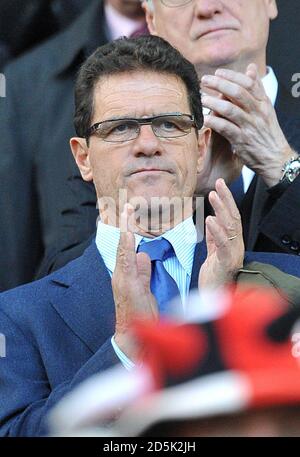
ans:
x=243 y=113
x=131 y=286
x=224 y=239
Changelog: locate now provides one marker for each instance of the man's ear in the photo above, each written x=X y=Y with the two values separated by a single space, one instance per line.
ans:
x=272 y=9
x=80 y=151
x=204 y=136
x=149 y=15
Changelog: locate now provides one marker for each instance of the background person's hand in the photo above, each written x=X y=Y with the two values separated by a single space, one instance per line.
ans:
x=242 y=112
x=131 y=288
x=224 y=239
x=219 y=162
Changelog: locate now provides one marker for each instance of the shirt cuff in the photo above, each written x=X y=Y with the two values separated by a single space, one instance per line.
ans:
x=126 y=362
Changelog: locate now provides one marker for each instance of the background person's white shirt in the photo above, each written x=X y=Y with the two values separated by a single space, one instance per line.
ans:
x=118 y=25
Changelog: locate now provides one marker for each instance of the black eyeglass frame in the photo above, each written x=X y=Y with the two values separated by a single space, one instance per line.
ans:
x=142 y=121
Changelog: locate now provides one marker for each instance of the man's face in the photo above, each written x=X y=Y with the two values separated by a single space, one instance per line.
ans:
x=215 y=32
x=147 y=166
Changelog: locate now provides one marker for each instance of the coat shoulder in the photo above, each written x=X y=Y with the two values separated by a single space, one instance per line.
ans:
x=34 y=297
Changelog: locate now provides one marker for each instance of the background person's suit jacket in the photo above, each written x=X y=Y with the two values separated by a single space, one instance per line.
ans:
x=36 y=123
x=273 y=223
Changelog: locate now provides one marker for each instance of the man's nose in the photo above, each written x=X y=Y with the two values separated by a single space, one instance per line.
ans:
x=147 y=143
x=206 y=9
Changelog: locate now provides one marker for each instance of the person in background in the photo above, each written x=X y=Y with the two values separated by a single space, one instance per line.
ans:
x=26 y=23
x=36 y=124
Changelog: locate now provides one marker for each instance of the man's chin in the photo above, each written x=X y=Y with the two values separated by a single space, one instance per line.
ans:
x=153 y=188
x=149 y=197
x=217 y=56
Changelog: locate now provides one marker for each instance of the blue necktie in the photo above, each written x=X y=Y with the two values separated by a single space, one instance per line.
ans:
x=163 y=286
x=237 y=190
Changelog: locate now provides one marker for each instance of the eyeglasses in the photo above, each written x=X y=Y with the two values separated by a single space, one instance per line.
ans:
x=175 y=3
x=171 y=125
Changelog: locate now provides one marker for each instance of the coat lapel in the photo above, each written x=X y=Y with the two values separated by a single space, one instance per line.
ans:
x=81 y=38
x=259 y=201
x=81 y=293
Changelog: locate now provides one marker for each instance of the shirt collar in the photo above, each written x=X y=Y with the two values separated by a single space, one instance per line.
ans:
x=183 y=238
x=119 y=25
x=270 y=84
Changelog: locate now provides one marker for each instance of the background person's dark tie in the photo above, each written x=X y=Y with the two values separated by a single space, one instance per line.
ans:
x=163 y=286
x=237 y=190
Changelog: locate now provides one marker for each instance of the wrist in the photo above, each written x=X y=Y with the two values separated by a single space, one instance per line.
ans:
x=290 y=171
x=126 y=343
x=219 y=280
x=275 y=171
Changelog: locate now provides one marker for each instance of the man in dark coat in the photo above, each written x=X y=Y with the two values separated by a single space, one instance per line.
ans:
x=36 y=124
